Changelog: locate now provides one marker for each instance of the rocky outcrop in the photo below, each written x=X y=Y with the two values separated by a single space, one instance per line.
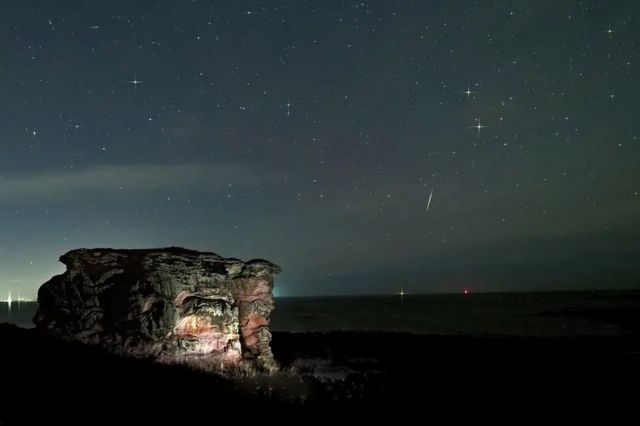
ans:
x=173 y=305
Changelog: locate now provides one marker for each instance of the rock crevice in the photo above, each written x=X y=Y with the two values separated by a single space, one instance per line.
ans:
x=173 y=305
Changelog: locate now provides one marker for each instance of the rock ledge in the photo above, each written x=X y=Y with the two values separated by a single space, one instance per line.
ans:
x=172 y=304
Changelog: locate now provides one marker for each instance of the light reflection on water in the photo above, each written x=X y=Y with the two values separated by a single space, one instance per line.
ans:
x=19 y=313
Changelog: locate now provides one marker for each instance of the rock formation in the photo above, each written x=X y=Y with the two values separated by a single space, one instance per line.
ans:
x=173 y=305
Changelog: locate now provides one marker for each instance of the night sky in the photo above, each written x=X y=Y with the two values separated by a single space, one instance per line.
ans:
x=363 y=146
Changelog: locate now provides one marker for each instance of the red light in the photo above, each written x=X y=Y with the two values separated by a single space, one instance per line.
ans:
x=466 y=291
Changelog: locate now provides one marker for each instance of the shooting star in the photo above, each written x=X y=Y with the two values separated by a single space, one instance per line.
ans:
x=429 y=201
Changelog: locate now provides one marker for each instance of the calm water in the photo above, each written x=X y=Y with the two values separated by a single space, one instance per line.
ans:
x=474 y=314
x=20 y=313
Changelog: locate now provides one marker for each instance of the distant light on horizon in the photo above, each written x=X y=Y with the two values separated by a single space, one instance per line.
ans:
x=10 y=300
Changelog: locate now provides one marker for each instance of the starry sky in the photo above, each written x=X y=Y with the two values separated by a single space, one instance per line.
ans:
x=364 y=146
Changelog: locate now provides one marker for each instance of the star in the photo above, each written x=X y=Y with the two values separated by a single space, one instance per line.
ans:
x=468 y=92
x=478 y=126
x=609 y=31
x=135 y=82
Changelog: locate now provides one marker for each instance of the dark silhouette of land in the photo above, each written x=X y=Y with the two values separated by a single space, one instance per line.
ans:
x=332 y=377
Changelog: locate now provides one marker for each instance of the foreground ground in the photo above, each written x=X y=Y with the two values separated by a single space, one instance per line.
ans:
x=375 y=378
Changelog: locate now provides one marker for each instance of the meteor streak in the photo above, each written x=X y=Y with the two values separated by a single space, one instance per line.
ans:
x=429 y=201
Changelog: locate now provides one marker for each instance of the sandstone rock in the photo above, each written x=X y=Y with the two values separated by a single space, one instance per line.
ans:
x=173 y=305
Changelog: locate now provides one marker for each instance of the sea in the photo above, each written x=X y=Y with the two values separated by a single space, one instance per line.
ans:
x=555 y=314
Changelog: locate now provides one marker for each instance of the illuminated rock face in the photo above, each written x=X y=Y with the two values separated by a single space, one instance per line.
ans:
x=173 y=305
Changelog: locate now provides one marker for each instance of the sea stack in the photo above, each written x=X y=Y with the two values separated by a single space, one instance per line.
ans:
x=172 y=305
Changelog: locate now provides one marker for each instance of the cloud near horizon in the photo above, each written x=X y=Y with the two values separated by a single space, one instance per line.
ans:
x=107 y=179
